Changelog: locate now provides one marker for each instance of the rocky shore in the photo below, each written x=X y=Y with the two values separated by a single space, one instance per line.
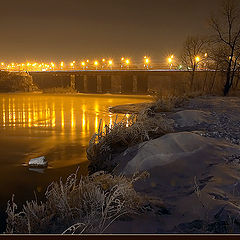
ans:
x=194 y=183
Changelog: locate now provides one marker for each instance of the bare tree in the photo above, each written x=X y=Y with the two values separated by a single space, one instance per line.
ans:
x=194 y=52
x=226 y=39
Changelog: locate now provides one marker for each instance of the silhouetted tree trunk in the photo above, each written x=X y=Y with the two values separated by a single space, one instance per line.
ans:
x=227 y=36
x=194 y=49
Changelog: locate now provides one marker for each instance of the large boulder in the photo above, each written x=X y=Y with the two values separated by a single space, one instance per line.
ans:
x=165 y=150
x=190 y=118
x=191 y=189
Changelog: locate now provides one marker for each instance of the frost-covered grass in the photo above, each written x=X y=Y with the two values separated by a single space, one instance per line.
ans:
x=79 y=205
x=117 y=137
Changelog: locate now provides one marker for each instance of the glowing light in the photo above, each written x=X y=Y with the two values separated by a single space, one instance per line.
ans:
x=197 y=59
x=96 y=63
x=147 y=60
x=83 y=64
x=103 y=60
x=122 y=58
x=127 y=61
x=71 y=64
x=2 y=64
x=110 y=62
x=205 y=55
x=170 y=60
x=62 y=64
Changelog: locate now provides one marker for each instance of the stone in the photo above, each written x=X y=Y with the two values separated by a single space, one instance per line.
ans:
x=39 y=162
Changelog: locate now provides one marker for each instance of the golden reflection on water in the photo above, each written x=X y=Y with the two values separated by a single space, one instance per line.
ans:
x=56 y=126
x=65 y=114
x=41 y=112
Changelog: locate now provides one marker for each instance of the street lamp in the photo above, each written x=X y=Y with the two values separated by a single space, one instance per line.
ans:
x=103 y=62
x=83 y=64
x=96 y=64
x=127 y=62
x=110 y=63
x=122 y=62
x=197 y=59
x=170 y=60
x=61 y=65
x=146 y=62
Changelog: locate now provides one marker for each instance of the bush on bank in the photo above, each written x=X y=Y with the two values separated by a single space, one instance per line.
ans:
x=116 y=138
x=13 y=82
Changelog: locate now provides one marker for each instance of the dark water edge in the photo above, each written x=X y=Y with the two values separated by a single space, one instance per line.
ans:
x=42 y=181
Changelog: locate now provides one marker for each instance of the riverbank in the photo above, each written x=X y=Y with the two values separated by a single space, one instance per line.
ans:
x=192 y=155
x=194 y=183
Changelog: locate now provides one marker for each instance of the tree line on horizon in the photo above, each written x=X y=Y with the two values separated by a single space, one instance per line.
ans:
x=221 y=49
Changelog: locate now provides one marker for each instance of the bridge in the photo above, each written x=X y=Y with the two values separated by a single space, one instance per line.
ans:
x=122 y=81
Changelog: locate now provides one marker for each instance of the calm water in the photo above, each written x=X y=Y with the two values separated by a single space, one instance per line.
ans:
x=56 y=126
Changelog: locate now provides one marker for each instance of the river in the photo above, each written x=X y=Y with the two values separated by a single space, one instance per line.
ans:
x=58 y=127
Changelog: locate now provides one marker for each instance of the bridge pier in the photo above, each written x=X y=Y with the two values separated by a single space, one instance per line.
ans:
x=116 y=86
x=135 y=84
x=73 y=81
x=99 y=84
x=85 y=87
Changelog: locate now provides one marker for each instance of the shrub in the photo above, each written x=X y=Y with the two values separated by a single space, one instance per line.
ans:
x=20 y=81
x=86 y=205
x=120 y=135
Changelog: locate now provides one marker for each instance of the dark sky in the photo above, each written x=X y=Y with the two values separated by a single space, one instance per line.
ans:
x=72 y=29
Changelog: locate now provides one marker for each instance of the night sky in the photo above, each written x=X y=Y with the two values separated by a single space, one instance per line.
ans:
x=52 y=30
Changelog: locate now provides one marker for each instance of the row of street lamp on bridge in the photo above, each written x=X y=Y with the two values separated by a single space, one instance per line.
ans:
x=84 y=65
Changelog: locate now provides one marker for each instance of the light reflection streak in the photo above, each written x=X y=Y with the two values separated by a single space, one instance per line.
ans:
x=25 y=112
x=62 y=117
x=72 y=117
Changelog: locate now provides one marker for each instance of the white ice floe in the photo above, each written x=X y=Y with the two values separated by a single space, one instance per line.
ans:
x=38 y=162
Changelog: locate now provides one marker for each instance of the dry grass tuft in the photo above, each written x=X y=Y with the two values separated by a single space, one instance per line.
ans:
x=167 y=103
x=86 y=205
x=110 y=140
